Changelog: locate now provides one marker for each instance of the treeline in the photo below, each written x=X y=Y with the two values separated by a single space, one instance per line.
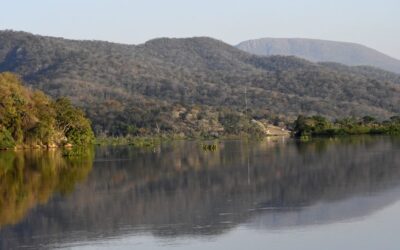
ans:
x=184 y=121
x=31 y=119
x=305 y=127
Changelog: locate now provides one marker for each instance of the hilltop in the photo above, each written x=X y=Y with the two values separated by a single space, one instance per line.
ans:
x=351 y=54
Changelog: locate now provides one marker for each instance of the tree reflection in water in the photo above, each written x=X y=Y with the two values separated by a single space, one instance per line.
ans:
x=28 y=178
x=181 y=190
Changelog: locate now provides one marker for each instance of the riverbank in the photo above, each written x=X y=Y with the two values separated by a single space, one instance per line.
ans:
x=305 y=127
x=130 y=141
x=151 y=141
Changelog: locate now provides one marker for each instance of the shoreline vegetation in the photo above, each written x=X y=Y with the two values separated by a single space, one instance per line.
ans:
x=139 y=142
x=305 y=127
x=30 y=119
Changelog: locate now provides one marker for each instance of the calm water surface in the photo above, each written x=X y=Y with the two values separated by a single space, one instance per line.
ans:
x=273 y=194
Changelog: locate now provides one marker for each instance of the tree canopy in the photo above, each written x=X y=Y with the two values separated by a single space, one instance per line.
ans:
x=30 y=118
x=306 y=126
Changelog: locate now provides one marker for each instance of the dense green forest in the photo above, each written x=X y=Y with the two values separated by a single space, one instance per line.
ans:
x=31 y=119
x=193 y=86
x=304 y=127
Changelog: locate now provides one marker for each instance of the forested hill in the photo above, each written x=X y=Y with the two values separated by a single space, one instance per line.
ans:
x=174 y=84
x=321 y=51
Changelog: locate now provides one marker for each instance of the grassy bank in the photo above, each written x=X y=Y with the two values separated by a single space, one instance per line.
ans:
x=140 y=142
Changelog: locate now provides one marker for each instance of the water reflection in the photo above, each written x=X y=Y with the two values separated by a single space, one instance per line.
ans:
x=31 y=178
x=179 y=189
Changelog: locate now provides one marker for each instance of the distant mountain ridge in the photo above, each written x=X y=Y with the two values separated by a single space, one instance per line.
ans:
x=192 y=83
x=351 y=54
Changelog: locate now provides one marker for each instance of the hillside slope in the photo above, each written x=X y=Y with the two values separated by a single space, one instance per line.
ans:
x=321 y=51
x=171 y=84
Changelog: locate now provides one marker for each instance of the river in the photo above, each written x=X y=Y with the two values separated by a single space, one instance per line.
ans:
x=278 y=193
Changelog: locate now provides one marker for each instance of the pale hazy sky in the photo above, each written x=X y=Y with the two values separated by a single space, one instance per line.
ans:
x=375 y=23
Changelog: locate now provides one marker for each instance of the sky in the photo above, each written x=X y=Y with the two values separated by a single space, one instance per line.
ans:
x=374 y=23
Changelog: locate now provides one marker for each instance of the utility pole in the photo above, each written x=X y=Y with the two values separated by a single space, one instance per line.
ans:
x=245 y=99
x=247 y=142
